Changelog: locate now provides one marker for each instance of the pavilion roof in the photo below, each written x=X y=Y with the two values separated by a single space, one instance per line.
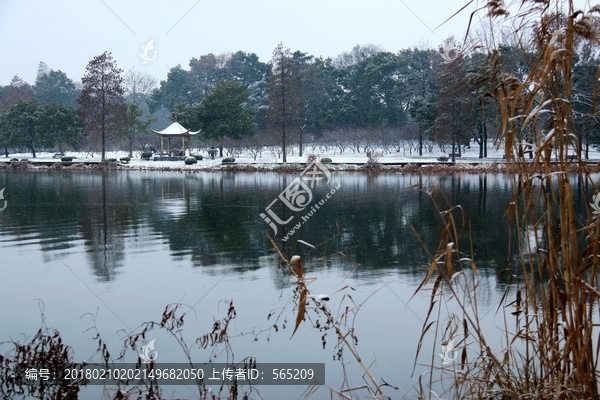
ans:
x=175 y=129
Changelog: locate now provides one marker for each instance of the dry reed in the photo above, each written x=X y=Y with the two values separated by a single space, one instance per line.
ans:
x=550 y=342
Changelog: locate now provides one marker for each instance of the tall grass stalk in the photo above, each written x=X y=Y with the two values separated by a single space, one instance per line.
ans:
x=341 y=324
x=550 y=342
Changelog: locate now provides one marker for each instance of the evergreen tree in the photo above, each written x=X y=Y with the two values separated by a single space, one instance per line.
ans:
x=224 y=112
x=178 y=88
x=59 y=126
x=20 y=123
x=54 y=87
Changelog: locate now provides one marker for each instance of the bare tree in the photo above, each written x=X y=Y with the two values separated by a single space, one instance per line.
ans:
x=138 y=85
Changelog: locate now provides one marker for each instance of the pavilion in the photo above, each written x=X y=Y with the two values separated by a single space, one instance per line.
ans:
x=175 y=130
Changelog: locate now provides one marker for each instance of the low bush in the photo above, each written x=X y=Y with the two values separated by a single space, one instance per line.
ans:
x=228 y=160
x=190 y=160
x=442 y=158
x=325 y=160
x=66 y=159
x=125 y=160
x=373 y=157
x=197 y=156
x=146 y=155
x=111 y=159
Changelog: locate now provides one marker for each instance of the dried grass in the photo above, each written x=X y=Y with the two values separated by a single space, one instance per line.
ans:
x=550 y=342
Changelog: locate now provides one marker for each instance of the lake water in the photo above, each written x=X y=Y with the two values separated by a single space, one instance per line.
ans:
x=104 y=252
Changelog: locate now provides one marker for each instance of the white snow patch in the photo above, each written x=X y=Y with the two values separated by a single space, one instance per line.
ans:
x=319 y=297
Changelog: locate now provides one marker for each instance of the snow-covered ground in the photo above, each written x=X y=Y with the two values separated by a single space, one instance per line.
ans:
x=269 y=158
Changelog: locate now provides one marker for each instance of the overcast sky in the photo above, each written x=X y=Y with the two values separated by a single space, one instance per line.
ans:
x=67 y=34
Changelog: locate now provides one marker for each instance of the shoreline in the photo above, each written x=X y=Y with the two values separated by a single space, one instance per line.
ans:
x=473 y=167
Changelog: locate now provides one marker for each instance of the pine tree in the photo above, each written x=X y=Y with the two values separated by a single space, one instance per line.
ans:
x=224 y=112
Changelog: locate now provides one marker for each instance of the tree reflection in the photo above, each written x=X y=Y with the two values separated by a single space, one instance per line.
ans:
x=212 y=219
x=102 y=228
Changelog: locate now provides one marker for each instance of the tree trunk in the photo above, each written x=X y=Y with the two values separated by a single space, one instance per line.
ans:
x=131 y=147
x=420 y=144
x=587 y=149
x=283 y=108
x=103 y=121
x=485 y=140
x=103 y=139
x=480 y=140
x=32 y=138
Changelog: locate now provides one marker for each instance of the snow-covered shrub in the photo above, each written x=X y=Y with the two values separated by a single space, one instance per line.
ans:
x=373 y=157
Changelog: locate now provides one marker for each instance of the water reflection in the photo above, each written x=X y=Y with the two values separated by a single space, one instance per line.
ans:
x=213 y=218
x=148 y=239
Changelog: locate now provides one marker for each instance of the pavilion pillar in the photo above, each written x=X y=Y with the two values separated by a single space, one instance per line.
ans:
x=168 y=146
x=183 y=144
x=162 y=147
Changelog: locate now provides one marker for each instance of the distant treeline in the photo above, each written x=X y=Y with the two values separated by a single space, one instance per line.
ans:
x=415 y=97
